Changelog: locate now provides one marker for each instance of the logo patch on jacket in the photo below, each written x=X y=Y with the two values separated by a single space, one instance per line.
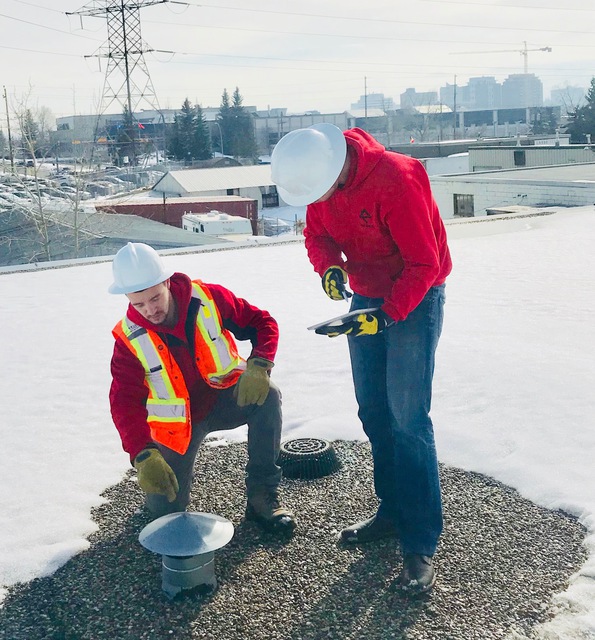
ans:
x=366 y=218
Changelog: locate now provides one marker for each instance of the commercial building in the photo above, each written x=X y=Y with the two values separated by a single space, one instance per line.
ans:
x=479 y=194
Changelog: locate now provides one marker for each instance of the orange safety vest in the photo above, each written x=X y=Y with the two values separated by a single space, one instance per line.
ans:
x=168 y=402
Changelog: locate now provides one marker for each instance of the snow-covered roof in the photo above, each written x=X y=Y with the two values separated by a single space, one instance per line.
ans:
x=366 y=113
x=430 y=109
x=215 y=179
x=576 y=172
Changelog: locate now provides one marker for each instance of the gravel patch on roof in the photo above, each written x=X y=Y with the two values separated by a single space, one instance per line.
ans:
x=500 y=560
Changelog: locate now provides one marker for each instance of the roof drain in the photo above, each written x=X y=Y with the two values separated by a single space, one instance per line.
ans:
x=308 y=458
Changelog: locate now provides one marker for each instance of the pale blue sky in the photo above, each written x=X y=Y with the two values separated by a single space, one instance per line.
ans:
x=308 y=56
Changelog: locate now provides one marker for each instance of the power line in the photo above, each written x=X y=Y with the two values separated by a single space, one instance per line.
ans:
x=557 y=8
x=46 y=53
x=327 y=35
x=414 y=67
x=359 y=18
x=359 y=36
x=38 y=6
x=43 y=26
x=375 y=20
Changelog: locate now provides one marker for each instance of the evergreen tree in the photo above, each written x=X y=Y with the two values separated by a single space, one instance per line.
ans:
x=244 y=144
x=190 y=138
x=183 y=133
x=225 y=120
x=125 y=146
x=582 y=119
x=29 y=133
x=237 y=127
x=544 y=121
x=202 y=138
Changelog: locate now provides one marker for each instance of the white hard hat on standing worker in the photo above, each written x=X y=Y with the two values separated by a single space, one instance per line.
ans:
x=137 y=267
x=306 y=163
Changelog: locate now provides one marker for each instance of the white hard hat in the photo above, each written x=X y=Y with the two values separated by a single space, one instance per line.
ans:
x=137 y=267
x=306 y=163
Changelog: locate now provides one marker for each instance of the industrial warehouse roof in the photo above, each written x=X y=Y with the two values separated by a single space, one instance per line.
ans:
x=370 y=112
x=431 y=109
x=577 y=173
x=137 y=229
x=150 y=197
x=216 y=179
x=100 y=234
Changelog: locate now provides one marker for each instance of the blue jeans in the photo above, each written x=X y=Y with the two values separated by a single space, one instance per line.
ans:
x=392 y=375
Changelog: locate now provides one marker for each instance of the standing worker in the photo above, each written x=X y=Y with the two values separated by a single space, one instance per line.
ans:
x=177 y=376
x=372 y=220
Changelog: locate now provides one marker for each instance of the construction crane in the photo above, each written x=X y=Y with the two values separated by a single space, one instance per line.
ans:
x=524 y=52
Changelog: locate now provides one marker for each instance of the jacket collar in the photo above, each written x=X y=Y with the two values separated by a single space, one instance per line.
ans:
x=181 y=290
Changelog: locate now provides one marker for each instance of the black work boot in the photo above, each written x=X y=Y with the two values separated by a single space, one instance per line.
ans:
x=418 y=574
x=374 y=528
x=266 y=509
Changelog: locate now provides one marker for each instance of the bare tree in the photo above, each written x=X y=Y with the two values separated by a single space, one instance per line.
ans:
x=34 y=209
x=49 y=221
x=571 y=98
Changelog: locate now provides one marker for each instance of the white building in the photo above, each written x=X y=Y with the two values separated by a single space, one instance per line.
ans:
x=374 y=101
x=252 y=181
x=479 y=194
x=538 y=155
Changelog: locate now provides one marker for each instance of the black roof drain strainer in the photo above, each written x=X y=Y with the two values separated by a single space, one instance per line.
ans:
x=308 y=458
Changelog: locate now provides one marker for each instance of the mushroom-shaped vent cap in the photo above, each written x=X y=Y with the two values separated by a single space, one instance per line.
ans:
x=186 y=534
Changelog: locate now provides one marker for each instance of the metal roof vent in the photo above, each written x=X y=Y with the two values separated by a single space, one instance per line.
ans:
x=308 y=458
x=187 y=541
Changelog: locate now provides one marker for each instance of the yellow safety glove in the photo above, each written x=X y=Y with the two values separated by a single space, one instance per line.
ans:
x=253 y=385
x=155 y=475
x=364 y=324
x=334 y=280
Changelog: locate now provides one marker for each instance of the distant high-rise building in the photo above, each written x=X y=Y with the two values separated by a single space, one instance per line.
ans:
x=447 y=95
x=569 y=98
x=479 y=93
x=374 y=101
x=522 y=90
x=484 y=93
x=412 y=98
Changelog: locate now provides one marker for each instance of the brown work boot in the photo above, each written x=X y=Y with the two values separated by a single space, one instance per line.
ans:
x=266 y=509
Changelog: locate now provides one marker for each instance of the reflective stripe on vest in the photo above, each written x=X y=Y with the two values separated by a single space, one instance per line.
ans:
x=219 y=364
x=168 y=402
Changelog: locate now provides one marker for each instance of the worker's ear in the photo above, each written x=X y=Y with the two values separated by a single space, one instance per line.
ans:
x=167 y=283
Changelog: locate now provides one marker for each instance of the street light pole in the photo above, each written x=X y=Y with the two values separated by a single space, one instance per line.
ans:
x=220 y=135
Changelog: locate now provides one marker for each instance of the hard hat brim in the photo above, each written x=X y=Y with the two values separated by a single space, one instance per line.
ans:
x=338 y=154
x=115 y=288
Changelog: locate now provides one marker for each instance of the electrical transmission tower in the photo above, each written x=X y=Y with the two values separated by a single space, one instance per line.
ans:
x=127 y=80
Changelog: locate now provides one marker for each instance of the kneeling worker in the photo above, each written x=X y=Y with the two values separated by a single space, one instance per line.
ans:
x=177 y=376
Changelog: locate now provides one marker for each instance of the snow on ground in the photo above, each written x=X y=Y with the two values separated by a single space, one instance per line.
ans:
x=513 y=389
